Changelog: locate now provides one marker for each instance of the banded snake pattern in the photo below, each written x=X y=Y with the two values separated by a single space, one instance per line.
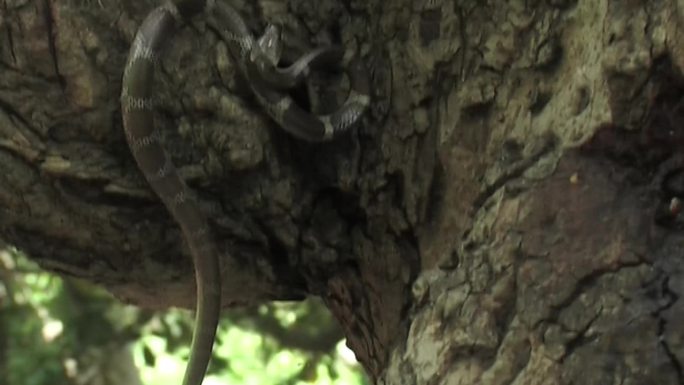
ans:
x=257 y=61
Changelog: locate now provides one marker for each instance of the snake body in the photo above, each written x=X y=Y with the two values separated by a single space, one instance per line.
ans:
x=266 y=51
x=144 y=140
x=278 y=104
x=267 y=82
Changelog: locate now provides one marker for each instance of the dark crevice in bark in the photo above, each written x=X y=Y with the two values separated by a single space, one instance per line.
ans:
x=580 y=339
x=49 y=24
x=515 y=171
x=541 y=99
x=10 y=37
x=12 y=112
x=662 y=325
x=280 y=261
x=90 y=191
x=672 y=298
x=582 y=286
x=435 y=194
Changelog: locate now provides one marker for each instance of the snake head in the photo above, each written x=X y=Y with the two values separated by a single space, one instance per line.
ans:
x=269 y=47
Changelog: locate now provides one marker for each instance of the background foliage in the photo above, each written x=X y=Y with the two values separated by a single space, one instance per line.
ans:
x=62 y=331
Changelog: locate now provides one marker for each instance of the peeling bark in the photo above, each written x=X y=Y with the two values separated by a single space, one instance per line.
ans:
x=507 y=213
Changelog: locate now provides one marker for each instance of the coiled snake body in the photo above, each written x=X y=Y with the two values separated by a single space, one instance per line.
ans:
x=279 y=105
x=267 y=82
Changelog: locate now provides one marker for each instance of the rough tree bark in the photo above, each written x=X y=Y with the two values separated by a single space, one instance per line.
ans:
x=507 y=213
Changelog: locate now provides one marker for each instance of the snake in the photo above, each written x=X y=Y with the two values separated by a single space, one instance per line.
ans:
x=265 y=56
x=257 y=60
x=277 y=103
x=144 y=142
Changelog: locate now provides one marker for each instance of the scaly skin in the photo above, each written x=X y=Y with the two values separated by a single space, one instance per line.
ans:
x=278 y=104
x=265 y=56
x=144 y=141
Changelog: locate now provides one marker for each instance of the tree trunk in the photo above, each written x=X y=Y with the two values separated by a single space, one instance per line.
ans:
x=507 y=212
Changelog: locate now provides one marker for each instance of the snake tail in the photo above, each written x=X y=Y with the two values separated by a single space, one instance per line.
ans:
x=144 y=141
